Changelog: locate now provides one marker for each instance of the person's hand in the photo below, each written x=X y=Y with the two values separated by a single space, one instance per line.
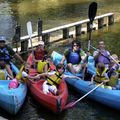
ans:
x=91 y=83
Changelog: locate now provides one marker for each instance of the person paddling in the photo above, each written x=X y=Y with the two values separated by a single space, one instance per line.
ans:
x=102 y=55
x=6 y=54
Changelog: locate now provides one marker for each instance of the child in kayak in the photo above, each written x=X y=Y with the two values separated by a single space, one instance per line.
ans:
x=101 y=76
x=22 y=76
x=113 y=71
x=45 y=65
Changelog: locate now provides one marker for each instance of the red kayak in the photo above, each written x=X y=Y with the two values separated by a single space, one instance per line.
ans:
x=50 y=101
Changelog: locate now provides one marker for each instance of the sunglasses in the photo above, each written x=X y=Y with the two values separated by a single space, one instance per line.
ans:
x=76 y=45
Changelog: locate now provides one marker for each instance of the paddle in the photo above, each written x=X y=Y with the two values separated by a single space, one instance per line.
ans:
x=72 y=104
x=91 y=15
x=29 y=30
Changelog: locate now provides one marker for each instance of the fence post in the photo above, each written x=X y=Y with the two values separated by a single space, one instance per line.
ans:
x=65 y=33
x=16 y=37
x=110 y=19
x=78 y=29
x=46 y=38
x=39 y=28
x=100 y=23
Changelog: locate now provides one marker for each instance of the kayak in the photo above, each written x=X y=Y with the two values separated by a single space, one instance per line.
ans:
x=106 y=96
x=55 y=103
x=11 y=100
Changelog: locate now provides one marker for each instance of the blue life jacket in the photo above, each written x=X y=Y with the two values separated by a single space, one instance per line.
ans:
x=73 y=57
x=4 y=54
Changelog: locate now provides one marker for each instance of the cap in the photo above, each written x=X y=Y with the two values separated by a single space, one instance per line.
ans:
x=41 y=43
x=2 y=38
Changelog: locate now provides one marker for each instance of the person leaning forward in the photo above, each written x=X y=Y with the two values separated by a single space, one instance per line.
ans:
x=75 y=57
x=6 y=53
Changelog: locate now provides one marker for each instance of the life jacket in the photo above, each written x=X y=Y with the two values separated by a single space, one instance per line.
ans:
x=113 y=80
x=2 y=74
x=39 y=55
x=40 y=66
x=73 y=57
x=100 y=77
x=54 y=79
x=4 y=54
x=19 y=76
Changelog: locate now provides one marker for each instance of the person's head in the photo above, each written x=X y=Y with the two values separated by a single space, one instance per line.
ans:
x=60 y=68
x=101 y=45
x=48 y=58
x=113 y=59
x=2 y=41
x=27 y=67
x=40 y=46
x=100 y=67
x=76 y=45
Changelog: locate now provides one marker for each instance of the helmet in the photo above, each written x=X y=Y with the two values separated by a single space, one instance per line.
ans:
x=2 y=38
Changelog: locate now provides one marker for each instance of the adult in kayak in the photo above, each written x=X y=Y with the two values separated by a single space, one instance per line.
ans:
x=75 y=57
x=101 y=54
x=6 y=53
x=37 y=54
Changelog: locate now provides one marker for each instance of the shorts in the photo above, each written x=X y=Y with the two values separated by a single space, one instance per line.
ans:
x=49 y=88
x=77 y=68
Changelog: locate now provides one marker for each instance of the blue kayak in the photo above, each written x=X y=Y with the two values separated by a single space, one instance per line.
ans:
x=11 y=100
x=107 y=97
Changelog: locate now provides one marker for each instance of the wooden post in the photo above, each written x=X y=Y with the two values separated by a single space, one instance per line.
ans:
x=65 y=33
x=110 y=19
x=78 y=29
x=16 y=37
x=100 y=23
x=39 y=28
x=24 y=46
x=46 y=38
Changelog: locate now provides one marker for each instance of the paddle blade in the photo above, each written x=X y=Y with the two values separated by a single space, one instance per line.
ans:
x=70 y=105
x=29 y=29
x=92 y=11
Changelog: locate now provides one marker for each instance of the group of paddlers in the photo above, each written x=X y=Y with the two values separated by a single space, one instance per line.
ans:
x=107 y=66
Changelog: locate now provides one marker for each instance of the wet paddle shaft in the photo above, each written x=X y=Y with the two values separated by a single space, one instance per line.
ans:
x=91 y=15
x=72 y=104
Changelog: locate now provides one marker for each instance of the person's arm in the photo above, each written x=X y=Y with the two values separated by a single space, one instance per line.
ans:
x=63 y=59
x=96 y=54
x=19 y=57
x=38 y=76
x=64 y=56
x=13 y=53
x=92 y=79
x=107 y=78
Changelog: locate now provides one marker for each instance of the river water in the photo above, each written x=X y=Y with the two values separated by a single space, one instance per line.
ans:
x=55 y=13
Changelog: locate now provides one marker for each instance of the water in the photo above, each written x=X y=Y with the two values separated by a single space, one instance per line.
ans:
x=55 y=13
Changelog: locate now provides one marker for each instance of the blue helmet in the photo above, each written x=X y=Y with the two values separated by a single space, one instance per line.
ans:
x=2 y=38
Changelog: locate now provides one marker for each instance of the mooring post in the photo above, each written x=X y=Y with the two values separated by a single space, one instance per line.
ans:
x=39 y=28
